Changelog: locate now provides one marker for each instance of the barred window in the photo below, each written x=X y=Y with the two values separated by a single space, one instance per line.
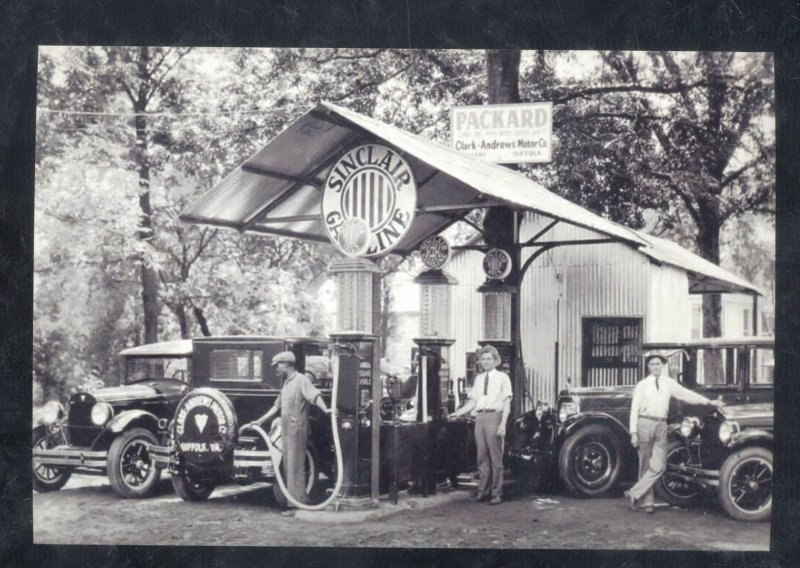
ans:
x=611 y=348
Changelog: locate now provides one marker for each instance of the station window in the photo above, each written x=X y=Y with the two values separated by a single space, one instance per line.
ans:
x=241 y=365
x=611 y=348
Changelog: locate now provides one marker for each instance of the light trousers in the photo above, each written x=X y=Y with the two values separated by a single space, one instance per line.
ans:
x=489 y=447
x=652 y=459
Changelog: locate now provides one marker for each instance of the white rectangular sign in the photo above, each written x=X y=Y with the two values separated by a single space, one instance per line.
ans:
x=504 y=134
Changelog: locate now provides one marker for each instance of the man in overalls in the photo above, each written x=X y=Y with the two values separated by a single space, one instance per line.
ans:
x=293 y=403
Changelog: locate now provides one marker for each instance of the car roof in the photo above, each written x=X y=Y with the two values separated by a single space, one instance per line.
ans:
x=259 y=338
x=761 y=341
x=176 y=348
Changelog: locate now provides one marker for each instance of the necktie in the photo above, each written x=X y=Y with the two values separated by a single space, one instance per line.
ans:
x=656 y=383
x=486 y=384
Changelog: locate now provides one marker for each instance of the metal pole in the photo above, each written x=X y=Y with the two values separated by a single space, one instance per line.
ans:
x=755 y=314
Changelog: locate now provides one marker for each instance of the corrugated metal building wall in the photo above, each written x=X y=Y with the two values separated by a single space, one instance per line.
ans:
x=562 y=287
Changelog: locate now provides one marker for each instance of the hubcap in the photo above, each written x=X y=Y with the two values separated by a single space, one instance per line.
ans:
x=135 y=466
x=593 y=463
x=750 y=486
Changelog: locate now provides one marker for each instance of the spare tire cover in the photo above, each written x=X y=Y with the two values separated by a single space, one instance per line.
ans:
x=205 y=427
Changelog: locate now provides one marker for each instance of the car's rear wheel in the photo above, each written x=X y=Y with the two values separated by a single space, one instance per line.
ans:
x=745 y=484
x=190 y=489
x=313 y=483
x=590 y=461
x=47 y=477
x=673 y=489
x=131 y=470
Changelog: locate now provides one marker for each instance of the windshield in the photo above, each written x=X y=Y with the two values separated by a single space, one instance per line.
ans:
x=153 y=368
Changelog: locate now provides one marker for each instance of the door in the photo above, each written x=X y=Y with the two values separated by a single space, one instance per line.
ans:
x=611 y=348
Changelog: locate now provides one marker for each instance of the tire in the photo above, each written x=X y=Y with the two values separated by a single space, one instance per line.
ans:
x=745 y=484
x=46 y=477
x=673 y=490
x=130 y=469
x=189 y=489
x=590 y=461
x=313 y=484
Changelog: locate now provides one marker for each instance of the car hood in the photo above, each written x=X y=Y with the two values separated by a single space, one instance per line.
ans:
x=761 y=413
x=139 y=391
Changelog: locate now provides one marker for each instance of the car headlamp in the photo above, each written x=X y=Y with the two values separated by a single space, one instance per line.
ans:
x=102 y=412
x=726 y=431
x=567 y=409
x=52 y=412
x=689 y=426
x=541 y=408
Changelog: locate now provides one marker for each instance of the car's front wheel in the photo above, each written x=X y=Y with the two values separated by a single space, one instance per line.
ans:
x=47 y=477
x=745 y=484
x=673 y=489
x=131 y=470
x=590 y=461
x=190 y=489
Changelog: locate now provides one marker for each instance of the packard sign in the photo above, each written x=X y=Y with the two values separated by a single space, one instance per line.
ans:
x=504 y=134
x=369 y=200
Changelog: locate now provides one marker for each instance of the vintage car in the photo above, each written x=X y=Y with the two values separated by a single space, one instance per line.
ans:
x=726 y=452
x=235 y=385
x=108 y=431
x=584 y=441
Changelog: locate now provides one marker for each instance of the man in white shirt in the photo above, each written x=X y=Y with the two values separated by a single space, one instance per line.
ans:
x=490 y=403
x=648 y=426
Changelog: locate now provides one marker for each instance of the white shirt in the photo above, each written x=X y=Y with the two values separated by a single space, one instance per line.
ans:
x=649 y=401
x=498 y=390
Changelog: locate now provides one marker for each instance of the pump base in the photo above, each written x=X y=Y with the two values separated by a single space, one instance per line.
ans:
x=354 y=503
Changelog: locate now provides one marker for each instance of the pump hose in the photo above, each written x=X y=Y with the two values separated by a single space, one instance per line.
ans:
x=336 y=444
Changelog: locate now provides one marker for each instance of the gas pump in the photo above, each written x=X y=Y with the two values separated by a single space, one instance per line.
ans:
x=355 y=355
x=433 y=399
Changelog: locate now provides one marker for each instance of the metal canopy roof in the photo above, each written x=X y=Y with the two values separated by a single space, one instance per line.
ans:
x=278 y=189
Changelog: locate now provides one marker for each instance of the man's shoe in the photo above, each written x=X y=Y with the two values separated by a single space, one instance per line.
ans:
x=479 y=497
x=287 y=513
x=649 y=510
x=495 y=501
x=631 y=501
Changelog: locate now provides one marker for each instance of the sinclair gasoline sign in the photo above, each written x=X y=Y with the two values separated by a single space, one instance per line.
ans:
x=369 y=200
x=504 y=134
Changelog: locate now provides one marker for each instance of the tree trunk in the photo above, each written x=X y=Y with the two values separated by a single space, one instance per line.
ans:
x=502 y=75
x=200 y=317
x=149 y=274
x=708 y=245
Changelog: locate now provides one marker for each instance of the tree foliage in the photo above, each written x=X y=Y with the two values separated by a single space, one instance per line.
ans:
x=679 y=144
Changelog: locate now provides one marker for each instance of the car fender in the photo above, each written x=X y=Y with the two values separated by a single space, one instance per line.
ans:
x=752 y=437
x=580 y=421
x=124 y=419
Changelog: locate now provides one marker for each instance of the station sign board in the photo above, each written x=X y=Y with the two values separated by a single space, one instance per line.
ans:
x=369 y=200
x=504 y=134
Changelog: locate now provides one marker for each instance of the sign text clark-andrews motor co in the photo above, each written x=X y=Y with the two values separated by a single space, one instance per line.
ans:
x=504 y=134
x=373 y=185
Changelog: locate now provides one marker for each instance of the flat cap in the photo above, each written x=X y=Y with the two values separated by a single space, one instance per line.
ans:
x=283 y=357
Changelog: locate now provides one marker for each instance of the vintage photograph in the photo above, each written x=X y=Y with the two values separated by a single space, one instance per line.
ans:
x=496 y=299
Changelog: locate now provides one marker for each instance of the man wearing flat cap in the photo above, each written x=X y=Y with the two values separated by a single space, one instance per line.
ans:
x=293 y=403
x=648 y=426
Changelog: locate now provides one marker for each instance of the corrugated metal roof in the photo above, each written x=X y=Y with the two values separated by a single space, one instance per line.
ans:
x=705 y=276
x=278 y=189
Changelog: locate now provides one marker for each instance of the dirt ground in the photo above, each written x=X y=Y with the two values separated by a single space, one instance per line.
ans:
x=87 y=511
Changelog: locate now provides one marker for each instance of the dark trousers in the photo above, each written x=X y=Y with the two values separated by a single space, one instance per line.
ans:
x=490 y=453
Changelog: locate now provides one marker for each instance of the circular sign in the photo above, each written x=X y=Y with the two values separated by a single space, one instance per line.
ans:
x=354 y=237
x=497 y=264
x=205 y=426
x=374 y=184
x=434 y=251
